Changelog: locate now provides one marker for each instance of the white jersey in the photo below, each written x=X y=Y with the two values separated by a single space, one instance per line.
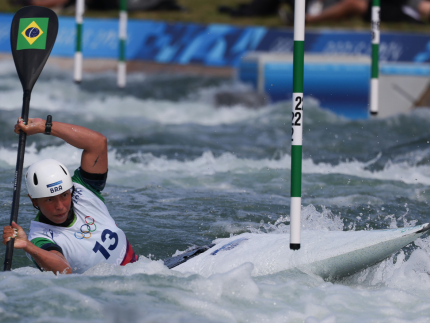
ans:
x=91 y=239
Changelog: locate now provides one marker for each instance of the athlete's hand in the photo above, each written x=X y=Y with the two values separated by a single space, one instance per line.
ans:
x=15 y=231
x=34 y=125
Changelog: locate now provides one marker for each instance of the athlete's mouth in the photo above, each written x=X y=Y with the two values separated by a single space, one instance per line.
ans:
x=60 y=215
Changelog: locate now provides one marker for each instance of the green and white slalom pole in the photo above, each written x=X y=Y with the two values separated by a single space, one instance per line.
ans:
x=374 y=82
x=122 y=69
x=297 y=123
x=77 y=73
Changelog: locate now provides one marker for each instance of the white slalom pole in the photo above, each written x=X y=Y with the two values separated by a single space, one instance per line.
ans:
x=374 y=82
x=77 y=73
x=297 y=123
x=122 y=69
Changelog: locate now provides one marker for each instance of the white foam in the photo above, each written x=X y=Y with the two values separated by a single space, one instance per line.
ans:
x=197 y=108
x=165 y=112
x=65 y=153
x=124 y=169
x=389 y=292
x=402 y=172
x=311 y=220
x=399 y=273
x=160 y=111
x=142 y=266
x=234 y=296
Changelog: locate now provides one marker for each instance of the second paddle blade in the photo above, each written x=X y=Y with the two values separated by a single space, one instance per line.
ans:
x=32 y=36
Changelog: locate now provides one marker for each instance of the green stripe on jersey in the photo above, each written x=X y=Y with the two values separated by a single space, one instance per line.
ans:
x=39 y=242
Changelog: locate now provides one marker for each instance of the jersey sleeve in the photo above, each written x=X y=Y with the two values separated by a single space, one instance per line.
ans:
x=44 y=244
x=93 y=182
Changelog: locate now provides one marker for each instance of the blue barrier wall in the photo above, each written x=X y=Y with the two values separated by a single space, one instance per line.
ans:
x=215 y=44
x=345 y=92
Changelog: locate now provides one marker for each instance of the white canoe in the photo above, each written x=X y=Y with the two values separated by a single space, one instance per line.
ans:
x=329 y=254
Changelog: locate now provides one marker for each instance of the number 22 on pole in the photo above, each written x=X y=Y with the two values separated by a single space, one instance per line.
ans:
x=297 y=117
x=296 y=169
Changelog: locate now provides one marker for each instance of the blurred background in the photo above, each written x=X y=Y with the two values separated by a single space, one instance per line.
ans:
x=270 y=13
x=251 y=42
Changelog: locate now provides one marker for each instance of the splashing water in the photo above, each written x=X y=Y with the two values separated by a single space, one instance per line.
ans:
x=183 y=173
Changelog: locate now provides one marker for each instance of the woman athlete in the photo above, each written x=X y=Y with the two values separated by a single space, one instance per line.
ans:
x=73 y=230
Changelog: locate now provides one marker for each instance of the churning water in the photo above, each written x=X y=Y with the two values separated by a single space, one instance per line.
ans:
x=184 y=173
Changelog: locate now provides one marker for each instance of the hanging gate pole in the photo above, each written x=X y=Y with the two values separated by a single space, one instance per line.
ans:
x=374 y=82
x=77 y=73
x=121 y=80
x=297 y=123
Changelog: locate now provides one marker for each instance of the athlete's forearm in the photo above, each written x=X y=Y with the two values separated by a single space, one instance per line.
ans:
x=79 y=137
x=94 y=157
x=48 y=260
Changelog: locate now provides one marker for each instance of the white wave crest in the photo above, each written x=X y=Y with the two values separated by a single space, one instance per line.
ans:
x=60 y=94
x=146 y=164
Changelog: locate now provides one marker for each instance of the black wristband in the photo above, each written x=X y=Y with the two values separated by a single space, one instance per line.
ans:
x=48 y=125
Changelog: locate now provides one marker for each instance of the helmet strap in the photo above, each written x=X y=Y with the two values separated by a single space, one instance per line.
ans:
x=36 y=207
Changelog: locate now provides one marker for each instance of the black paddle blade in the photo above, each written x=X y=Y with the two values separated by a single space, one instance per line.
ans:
x=32 y=36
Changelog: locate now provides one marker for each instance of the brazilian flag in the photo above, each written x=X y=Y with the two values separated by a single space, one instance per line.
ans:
x=32 y=33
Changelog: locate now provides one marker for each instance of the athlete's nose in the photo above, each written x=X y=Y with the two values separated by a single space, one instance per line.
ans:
x=59 y=205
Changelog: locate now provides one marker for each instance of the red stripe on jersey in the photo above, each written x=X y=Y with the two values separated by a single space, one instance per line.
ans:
x=130 y=256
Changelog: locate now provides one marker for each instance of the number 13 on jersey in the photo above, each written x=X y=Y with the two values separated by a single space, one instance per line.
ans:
x=297 y=120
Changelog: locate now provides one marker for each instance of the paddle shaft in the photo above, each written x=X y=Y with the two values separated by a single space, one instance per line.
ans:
x=30 y=51
x=18 y=176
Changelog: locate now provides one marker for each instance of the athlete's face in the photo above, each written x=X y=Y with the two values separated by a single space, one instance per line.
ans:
x=55 y=208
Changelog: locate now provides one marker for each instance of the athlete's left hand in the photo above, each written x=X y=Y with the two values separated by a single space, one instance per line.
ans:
x=15 y=231
x=33 y=126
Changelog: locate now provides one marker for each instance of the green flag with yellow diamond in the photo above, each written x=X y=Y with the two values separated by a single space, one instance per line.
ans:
x=32 y=33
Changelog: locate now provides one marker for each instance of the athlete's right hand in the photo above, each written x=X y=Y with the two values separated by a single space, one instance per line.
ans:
x=33 y=126
x=15 y=231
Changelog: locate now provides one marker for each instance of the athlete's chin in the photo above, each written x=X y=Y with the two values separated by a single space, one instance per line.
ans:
x=59 y=218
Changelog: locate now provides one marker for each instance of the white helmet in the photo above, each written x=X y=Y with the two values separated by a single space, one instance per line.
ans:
x=47 y=177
